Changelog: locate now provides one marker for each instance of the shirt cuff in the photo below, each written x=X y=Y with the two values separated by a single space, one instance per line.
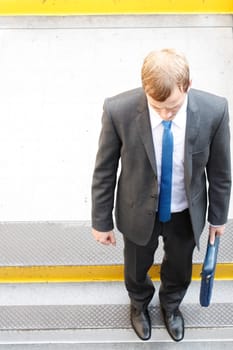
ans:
x=216 y=225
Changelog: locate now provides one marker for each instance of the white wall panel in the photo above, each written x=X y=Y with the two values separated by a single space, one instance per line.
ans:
x=54 y=76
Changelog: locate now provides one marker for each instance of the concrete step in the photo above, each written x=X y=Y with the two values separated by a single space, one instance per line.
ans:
x=196 y=339
x=96 y=315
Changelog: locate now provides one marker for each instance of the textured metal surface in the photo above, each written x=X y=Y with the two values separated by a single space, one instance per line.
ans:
x=71 y=243
x=104 y=316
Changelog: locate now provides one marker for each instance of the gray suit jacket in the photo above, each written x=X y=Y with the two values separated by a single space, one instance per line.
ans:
x=126 y=135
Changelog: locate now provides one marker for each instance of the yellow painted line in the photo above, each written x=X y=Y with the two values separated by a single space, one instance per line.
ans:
x=52 y=274
x=77 y=7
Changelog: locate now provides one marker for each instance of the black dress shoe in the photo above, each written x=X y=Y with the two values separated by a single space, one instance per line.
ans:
x=174 y=323
x=141 y=323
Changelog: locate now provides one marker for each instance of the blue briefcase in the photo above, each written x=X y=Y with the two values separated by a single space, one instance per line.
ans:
x=208 y=271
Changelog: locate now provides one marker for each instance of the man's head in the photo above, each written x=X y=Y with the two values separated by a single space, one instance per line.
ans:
x=162 y=71
x=165 y=79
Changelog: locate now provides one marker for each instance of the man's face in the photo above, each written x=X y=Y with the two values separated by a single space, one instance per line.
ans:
x=167 y=109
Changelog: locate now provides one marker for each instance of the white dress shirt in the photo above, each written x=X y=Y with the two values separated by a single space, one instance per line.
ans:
x=179 y=200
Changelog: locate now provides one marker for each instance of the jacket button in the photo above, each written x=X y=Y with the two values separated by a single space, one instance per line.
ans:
x=150 y=213
x=154 y=195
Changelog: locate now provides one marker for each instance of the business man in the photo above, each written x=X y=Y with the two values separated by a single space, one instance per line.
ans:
x=172 y=141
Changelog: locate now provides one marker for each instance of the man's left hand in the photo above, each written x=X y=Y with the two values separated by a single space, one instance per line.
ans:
x=215 y=231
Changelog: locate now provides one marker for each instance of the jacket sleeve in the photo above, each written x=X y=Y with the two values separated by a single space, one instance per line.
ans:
x=105 y=174
x=219 y=172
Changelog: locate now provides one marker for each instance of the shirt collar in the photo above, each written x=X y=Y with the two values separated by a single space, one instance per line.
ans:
x=179 y=119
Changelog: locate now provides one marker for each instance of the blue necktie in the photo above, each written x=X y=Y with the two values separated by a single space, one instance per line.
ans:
x=164 y=208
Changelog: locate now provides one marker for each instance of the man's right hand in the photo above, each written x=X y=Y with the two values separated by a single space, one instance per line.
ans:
x=106 y=238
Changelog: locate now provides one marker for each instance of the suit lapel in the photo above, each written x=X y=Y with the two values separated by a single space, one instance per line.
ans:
x=192 y=130
x=144 y=130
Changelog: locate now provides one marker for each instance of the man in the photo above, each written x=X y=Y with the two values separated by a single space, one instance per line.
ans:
x=157 y=165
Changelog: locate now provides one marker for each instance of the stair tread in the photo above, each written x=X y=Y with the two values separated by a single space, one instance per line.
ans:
x=49 y=317
x=71 y=243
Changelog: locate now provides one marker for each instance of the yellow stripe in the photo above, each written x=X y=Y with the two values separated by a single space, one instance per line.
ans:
x=73 y=7
x=43 y=274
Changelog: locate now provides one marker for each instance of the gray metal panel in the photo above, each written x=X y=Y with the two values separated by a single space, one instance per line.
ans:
x=104 y=316
x=71 y=243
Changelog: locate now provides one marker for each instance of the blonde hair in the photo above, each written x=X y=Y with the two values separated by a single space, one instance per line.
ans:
x=162 y=71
